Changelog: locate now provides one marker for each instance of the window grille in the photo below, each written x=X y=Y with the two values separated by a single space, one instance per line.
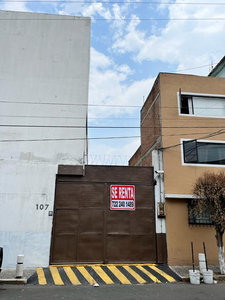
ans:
x=199 y=219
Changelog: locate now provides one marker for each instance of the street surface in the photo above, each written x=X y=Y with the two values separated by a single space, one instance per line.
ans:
x=154 y=291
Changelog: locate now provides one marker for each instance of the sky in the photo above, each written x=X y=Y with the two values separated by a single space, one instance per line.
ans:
x=131 y=42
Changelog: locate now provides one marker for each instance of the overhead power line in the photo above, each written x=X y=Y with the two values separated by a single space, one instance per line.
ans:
x=72 y=118
x=110 y=138
x=108 y=127
x=117 y=2
x=115 y=19
x=91 y=118
x=204 y=137
x=95 y=138
x=67 y=104
x=204 y=66
x=93 y=105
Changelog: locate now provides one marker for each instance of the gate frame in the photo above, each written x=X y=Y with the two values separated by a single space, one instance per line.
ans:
x=79 y=170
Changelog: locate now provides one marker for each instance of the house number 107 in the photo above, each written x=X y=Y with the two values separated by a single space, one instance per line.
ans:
x=42 y=206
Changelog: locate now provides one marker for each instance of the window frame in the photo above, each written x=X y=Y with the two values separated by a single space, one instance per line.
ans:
x=192 y=220
x=180 y=94
x=196 y=164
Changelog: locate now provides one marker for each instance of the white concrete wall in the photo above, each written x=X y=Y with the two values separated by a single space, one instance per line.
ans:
x=43 y=59
x=157 y=163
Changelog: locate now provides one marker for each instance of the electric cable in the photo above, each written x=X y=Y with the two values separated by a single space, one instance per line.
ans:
x=97 y=105
x=116 y=2
x=116 y=19
x=107 y=127
x=105 y=138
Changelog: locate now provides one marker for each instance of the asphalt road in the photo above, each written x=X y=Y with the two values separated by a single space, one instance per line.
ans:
x=172 y=291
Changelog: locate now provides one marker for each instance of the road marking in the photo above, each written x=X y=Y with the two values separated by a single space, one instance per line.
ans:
x=41 y=276
x=72 y=277
x=102 y=274
x=119 y=275
x=86 y=275
x=134 y=274
x=168 y=277
x=55 y=275
x=149 y=274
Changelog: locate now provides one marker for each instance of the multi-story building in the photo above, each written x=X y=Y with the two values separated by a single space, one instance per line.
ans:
x=182 y=136
x=44 y=77
x=219 y=70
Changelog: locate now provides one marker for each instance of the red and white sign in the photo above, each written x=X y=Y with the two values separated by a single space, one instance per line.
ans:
x=122 y=197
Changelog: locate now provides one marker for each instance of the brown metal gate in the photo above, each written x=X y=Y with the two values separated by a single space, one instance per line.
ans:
x=85 y=230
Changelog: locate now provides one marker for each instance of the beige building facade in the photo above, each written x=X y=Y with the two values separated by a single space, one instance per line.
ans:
x=183 y=124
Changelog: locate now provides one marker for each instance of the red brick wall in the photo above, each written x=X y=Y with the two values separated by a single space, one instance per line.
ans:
x=135 y=158
x=150 y=120
x=150 y=128
x=147 y=160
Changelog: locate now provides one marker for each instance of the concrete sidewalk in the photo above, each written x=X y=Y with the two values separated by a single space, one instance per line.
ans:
x=8 y=276
x=183 y=272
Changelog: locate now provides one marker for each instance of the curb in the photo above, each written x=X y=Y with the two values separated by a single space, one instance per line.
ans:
x=185 y=279
x=218 y=278
x=13 y=281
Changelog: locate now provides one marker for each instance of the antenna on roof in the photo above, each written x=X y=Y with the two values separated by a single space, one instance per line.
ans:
x=211 y=66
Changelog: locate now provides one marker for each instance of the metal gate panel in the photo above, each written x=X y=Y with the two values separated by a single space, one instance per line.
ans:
x=91 y=221
x=118 y=248
x=67 y=221
x=90 y=242
x=90 y=249
x=65 y=235
x=64 y=249
x=141 y=223
x=92 y=195
x=67 y=196
x=142 y=248
x=144 y=196
x=86 y=230
x=118 y=222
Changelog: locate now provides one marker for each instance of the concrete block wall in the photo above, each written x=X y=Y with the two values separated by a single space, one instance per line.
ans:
x=150 y=119
x=43 y=59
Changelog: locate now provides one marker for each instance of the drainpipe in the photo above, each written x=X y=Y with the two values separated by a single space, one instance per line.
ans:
x=160 y=222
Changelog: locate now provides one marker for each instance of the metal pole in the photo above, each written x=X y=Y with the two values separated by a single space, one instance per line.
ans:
x=193 y=261
x=1 y=257
x=205 y=256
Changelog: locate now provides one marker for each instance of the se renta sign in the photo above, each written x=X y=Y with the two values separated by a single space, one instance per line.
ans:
x=122 y=197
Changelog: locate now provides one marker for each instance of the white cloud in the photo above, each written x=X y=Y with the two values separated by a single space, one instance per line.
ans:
x=68 y=8
x=99 y=60
x=185 y=43
x=103 y=154
x=133 y=40
x=14 y=6
x=96 y=8
x=124 y=69
x=108 y=87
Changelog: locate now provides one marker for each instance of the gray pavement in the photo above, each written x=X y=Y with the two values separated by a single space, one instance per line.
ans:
x=155 y=291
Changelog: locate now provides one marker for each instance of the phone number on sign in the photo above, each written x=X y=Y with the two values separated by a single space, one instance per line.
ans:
x=122 y=204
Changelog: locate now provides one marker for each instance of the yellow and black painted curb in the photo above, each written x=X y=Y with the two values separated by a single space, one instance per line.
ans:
x=104 y=274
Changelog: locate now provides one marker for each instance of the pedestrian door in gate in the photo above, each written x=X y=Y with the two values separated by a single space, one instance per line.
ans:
x=86 y=229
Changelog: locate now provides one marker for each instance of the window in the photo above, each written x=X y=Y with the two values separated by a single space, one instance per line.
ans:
x=200 y=219
x=186 y=105
x=204 y=152
x=202 y=106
